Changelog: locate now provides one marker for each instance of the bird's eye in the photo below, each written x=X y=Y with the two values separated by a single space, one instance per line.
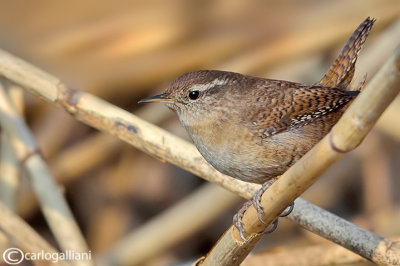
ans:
x=193 y=95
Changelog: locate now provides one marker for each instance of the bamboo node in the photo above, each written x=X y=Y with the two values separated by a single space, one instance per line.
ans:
x=333 y=145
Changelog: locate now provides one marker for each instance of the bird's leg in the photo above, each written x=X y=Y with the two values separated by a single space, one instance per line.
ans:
x=255 y=201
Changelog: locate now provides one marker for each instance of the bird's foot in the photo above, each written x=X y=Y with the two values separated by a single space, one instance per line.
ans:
x=256 y=202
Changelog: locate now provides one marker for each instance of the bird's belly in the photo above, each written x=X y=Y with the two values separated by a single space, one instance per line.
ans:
x=255 y=164
x=258 y=167
x=257 y=161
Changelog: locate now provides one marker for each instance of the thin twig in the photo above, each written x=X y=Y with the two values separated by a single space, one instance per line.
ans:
x=53 y=204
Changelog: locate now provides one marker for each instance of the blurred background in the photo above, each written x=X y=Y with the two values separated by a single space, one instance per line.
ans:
x=125 y=50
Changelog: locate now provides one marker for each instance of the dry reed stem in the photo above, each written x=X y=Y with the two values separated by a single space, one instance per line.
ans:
x=9 y=173
x=144 y=136
x=340 y=231
x=346 y=135
x=23 y=236
x=53 y=204
x=9 y=165
x=170 y=227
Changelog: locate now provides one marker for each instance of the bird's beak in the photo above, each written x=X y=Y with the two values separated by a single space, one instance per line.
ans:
x=163 y=97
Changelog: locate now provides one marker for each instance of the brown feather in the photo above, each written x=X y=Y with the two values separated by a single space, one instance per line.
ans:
x=341 y=71
x=280 y=106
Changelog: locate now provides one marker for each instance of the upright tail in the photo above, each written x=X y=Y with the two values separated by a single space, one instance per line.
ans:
x=341 y=71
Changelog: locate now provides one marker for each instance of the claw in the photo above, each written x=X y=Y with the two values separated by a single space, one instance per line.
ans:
x=237 y=220
x=274 y=226
x=256 y=200
x=288 y=210
x=239 y=226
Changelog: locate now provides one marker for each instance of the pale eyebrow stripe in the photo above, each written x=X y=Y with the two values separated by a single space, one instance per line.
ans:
x=215 y=82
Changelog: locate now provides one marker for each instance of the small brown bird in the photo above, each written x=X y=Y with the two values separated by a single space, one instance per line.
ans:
x=254 y=128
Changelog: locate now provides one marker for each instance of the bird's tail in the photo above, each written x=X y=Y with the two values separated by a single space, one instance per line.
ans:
x=341 y=71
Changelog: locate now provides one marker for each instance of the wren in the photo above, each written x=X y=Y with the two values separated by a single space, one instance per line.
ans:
x=254 y=129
